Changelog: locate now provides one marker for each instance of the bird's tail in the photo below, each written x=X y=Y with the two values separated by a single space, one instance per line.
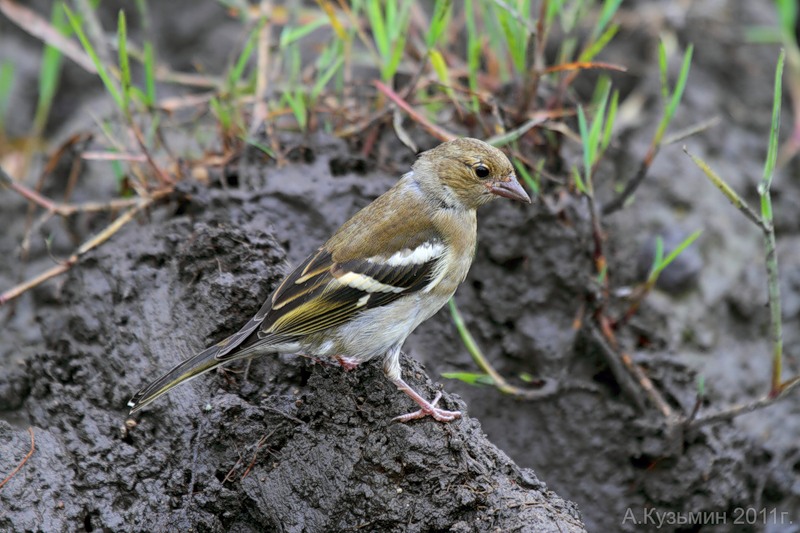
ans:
x=189 y=369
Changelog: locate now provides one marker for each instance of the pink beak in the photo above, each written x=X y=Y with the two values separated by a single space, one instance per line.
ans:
x=509 y=188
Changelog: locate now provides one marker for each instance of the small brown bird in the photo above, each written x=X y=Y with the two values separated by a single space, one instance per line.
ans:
x=385 y=271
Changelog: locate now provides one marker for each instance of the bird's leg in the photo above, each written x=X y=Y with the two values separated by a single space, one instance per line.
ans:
x=348 y=363
x=427 y=408
x=391 y=368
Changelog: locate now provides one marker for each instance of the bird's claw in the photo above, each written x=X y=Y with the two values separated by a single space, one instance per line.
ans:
x=431 y=410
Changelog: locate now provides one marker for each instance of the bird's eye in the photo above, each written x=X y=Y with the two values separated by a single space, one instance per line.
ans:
x=482 y=171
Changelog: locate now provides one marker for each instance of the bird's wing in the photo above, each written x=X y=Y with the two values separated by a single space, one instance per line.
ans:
x=321 y=293
x=377 y=257
x=325 y=293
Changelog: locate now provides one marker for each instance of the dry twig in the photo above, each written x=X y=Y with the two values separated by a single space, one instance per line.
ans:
x=24 y=460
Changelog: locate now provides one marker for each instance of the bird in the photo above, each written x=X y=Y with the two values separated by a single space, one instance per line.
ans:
x=386 y=270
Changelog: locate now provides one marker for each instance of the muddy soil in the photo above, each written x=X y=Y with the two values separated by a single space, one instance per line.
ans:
x=307 y=447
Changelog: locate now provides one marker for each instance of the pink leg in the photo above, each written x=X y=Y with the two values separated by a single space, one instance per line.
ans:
x=427 y=408
x=347 y=363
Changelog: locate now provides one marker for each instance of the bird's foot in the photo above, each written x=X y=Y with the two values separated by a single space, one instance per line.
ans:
x=426 y=408
x=348 y=363
x=430 y=409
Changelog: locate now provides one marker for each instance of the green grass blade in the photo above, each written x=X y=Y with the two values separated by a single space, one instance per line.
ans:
x=290 y=35
x=108 y=81
x=398 y=44
x=787 y=16
x=763 y=35
x=772 y=151
x=443 y=73
x=597 y=47
x=516 y=45
x=677 y=94
x=610 y=8
x=470 y=378
x=237 y=72
x=588 y=150
x=610 y=118
x=662 y=70
x=124 y=62
x=473 y=54
x=526 y=176
x=49 y=73
x=681 y=247
x=326 y=76
x=376 y=23
x=660 y=262
x=297 y=104
x=222 y=113
x=439 y=21
x=150 y=74
x=597 y=122
x=579 y=183
x=7 y=72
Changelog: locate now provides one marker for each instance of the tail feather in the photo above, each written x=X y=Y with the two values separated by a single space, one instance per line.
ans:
x=189 y=369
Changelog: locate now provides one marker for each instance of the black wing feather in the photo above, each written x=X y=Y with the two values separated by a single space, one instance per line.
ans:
x=312 y=298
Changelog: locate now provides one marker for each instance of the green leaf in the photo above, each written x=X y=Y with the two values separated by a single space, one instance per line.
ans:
x=660 y=264
x=772 y=151
x=590 y=52
x=677 y=94
x=787 y=15
x=376 y=24
x=108 y=81
x=469 y=377
x=610 y=7
x=6 y=85
x=439 y=21
x=701 y=385
x=49 y=73
x=290 y=35
x=297 y=103
x=763 y=35
x=610 y=118
x=124 y=62
x=150 y=74
x=236 y=73
x=473 y=54
x=662 y=70
x=526 y=176
x=579 y=181
x=326 y=76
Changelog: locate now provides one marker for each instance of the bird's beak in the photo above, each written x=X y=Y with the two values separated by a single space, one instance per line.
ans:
x=509 y=188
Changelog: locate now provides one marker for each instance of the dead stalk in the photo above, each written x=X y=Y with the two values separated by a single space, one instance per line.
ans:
x=24 y=460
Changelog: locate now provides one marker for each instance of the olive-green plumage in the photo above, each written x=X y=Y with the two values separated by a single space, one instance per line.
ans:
x=387 y=269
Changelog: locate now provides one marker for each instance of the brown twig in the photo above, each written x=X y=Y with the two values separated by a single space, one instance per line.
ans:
x=737 y=410
x=617 y=359
x=92 y=155
x=66 y=210
x=24 y=460
x=139 y=138
x=40 y=28
x=25 y=192
x=433 y=129
x=87 y=246
x=624 y=379
x=260 y=443
x=584 y=65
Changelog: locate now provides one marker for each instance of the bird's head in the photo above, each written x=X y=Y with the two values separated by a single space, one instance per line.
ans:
x=468 y=172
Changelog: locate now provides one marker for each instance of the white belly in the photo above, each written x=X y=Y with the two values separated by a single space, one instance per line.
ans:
x=378 y=331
